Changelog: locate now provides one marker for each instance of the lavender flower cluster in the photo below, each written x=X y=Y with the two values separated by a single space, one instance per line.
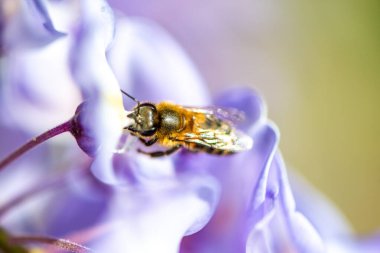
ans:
x=57 y=54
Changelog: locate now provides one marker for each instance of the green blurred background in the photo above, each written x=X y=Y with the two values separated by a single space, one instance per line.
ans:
x=317 y=65
x=332 y=137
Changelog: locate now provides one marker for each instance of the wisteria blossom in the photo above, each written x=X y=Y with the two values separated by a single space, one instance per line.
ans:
x=64 y=64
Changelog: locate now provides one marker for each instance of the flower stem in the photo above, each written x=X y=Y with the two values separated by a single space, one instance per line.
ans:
x=59 y=243
x=64 y=127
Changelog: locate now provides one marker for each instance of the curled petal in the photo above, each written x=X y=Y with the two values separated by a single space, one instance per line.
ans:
x=269 y=148
x=237 y=174
x=151 y=66
x=286 y=228
x=88 y=57
x=155 y=220
x=304 y=235
x=105 y=114
x=42 y=9
x=247 y=101
x=31 y=25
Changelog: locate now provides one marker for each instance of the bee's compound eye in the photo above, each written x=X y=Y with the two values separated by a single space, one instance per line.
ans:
x=148 y=119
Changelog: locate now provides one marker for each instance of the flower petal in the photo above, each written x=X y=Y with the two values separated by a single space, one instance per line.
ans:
x=286 y=228
x=247 y=101
x=237 y=175
x=31 y=25
x=38 y=80
x=34 y=74
x=80 y=204
x=105 y=114
x=151 y=66
x=352 y=245
x=329 y=221
x=155 y=219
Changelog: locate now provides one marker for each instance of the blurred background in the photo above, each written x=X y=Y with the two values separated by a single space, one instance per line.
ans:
x=316 y=64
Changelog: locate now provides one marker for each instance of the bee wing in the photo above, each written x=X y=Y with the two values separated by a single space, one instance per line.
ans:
x=227 y=114
x=213 y=132
x=235 y=141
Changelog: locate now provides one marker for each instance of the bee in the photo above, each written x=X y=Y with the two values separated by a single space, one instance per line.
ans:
x=196 y=129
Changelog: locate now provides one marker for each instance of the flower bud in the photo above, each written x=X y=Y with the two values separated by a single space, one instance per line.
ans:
x=81 y=130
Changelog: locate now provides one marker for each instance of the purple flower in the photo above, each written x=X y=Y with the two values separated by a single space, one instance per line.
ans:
x=34 y=65
x=129 y=202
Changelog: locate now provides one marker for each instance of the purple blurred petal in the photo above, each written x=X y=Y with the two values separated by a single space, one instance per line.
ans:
x=304 y=235
x=237 y=175
x=151 y=66
x=38 y=80
x=286 y=227
x=31 y=26
x=37 y=77
x=154 y=219
x=261 y=186
x=247 y=101
x=47 y=22
x=354 y=245
x=80 y=204
x=329 y=221
x=88 y=56
x=105 y=115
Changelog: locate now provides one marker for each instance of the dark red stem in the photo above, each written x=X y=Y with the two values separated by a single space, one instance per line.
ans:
x=59 y=243
x=34 y=142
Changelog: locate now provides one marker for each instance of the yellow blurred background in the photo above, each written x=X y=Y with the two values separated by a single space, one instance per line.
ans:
x=317 y=65
x=333 y=136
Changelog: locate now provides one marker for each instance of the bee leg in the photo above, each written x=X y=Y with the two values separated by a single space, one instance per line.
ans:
x=149 y=142
x=160 y=153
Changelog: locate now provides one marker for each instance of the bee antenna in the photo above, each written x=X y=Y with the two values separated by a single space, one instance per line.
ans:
x=134 y=99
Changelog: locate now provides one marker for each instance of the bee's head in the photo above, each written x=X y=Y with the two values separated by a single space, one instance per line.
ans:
x=145 y=118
